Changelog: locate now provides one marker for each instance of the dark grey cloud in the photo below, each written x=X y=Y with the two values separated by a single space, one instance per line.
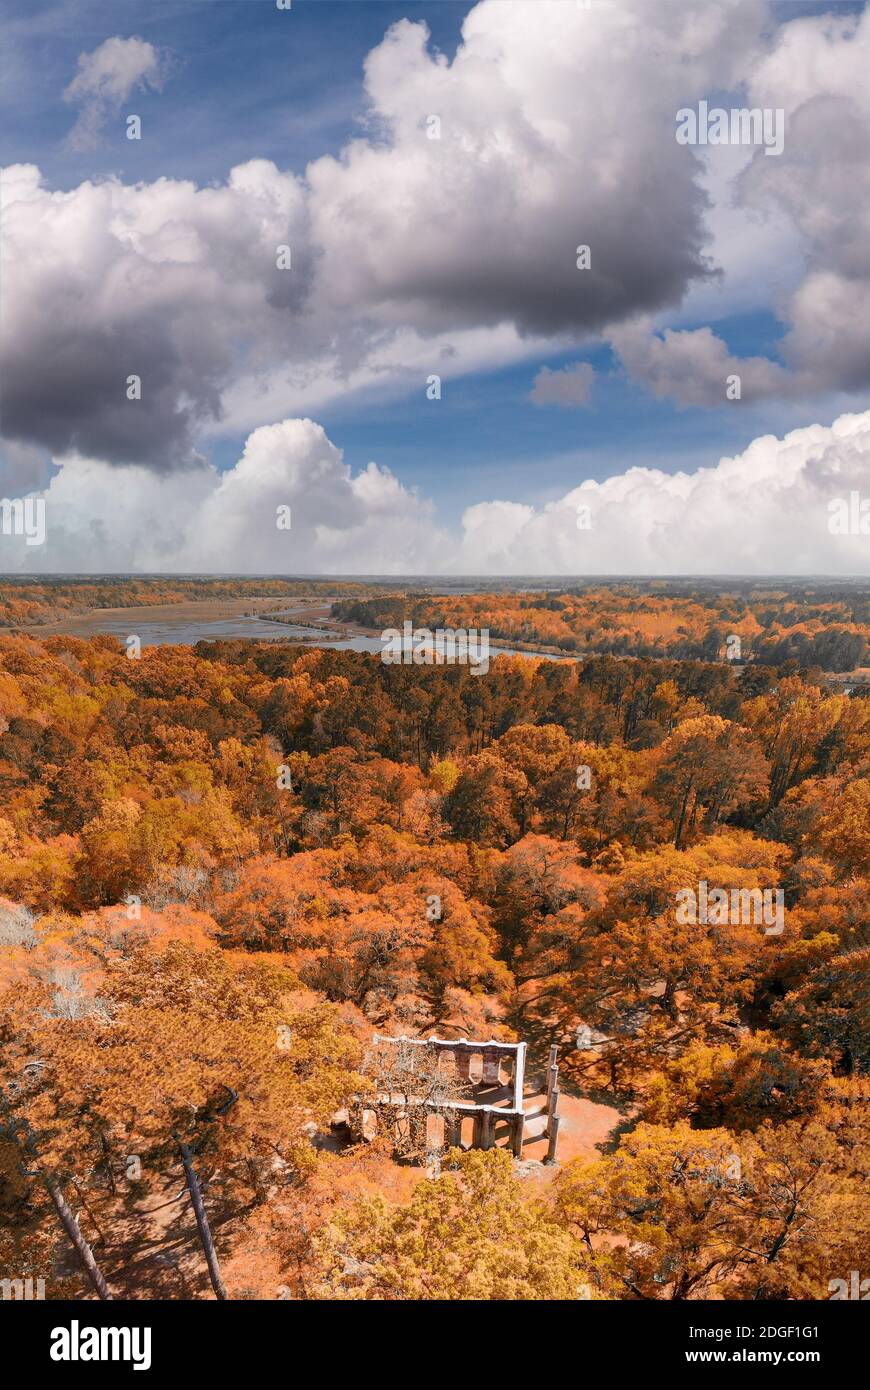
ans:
x=556 y=130
x=175 y=285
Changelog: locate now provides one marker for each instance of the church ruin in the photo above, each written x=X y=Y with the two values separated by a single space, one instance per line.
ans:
x=438 y=1093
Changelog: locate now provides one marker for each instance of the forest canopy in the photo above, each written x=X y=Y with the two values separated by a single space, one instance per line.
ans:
x=218 y=867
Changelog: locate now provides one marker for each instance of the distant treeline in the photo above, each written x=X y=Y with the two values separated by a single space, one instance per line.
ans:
x=29 y=602
x=829 y=629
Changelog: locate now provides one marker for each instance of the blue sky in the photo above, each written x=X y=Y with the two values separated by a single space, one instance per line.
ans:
x=242 y=81
x=246 y=80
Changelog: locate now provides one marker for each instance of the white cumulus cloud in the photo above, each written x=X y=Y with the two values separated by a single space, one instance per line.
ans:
x=765 y=511
x=101 y=518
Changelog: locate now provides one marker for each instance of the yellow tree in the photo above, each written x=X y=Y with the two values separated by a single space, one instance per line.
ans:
x=768 y=1215
x=792 y=722
x=650 y=980
x=709 y=768
x=737 y=1086
x=472 y=1233
x=188 y=1053
x=829 y=1014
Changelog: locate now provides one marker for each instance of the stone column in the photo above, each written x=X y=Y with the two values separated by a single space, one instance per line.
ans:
x=517 y=1127
x=487 y=1128
x=463 y=1064
x=552 y=1070
x=552 y=1110
x=417 y=1128
x=519 y=1074
x=553 y=1136
x=453 y=1129
x=491 y=1061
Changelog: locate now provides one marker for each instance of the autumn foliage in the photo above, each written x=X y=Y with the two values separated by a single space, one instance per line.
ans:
x=222 y=868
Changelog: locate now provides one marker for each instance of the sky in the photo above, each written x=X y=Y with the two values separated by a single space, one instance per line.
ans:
x=340 y=266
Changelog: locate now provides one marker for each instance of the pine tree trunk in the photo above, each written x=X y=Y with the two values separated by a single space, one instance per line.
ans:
x=193 y=1188
x=74 y=1231
x=61 y=1206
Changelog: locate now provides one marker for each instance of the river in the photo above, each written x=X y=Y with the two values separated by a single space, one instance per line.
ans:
x=186 y=630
